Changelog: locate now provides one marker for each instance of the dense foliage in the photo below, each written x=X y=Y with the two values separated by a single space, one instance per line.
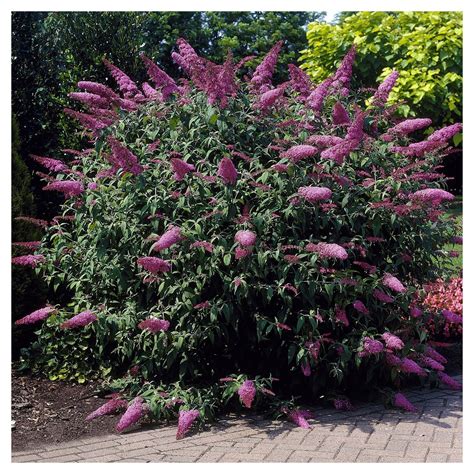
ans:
x=27 y=290
x=226 y=241
x=425 y=47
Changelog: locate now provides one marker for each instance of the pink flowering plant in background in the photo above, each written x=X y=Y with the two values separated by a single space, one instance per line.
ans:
x=240 y=243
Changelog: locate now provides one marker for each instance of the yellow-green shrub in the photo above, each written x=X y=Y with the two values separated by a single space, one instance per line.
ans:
x=425 y=47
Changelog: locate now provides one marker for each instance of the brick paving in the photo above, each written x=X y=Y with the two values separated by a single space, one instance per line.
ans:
x=369 y=434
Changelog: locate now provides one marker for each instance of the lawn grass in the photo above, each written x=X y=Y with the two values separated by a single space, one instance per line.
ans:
x=456 y=212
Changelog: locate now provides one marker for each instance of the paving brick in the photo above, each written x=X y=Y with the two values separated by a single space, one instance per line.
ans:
x=436 y=457
x=26 y=458
x=347 y=454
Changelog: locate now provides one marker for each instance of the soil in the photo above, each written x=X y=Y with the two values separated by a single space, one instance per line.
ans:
x=47 y=412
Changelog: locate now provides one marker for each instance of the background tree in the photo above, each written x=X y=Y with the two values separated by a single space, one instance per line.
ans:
x=426 y=49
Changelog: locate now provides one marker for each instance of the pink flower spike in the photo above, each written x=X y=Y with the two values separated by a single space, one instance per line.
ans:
x=154 y=264
x=35 y=316
x=170 y=237
x=449 y=381
x=69 y=188
x=246 y=238
x=186 y=419
x=28 y=260
x=154 y=325
x=227 y=171
x=298 y=417
x=299 y=152
x=360 y=307
x=247 y=393
x=80 y=320
x=134 y=412
x=328 y=250
x=181 y=168
x=392 y=342
x=306 y=369
x=107 y=408
x=400 y=401
x=314 y=194
x=393 y=283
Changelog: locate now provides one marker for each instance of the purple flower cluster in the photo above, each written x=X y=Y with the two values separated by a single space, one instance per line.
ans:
x=392 y=342
x=340 y=115
x=370 y=347
x=170 y=237
x=300 y=81
x=416 y=150
x=299 y=152
x=33 y=220
x=435 y=355
x=409 y=366
x=89 y=121
x=269 y=98
x=406 y=127
x=341 y=316
x=69 y=188
x=342 y=77
x=451 y=317
x=154 y=325
x=247 y=393
x=134 y=412
x=323 y=141
x=122 y=158
x=315 y=100
x=298 y=417
x=160 y=78
x=314 y=193
x=154 y=264
x=360 y=307
x=449 y=381
x=127 y=87
x=107 y=408
x=35 y=316
x=393 y=283
x=181 y=168
x=186 y=419
x=381 y=296
x=33 y=245
x=262 y=77
x=445 y=134
x=433 y=196
x=203 y=244
x=400 y=401
x=227 y=171
x=329 y=251
x=99 y=90
x=50 y=163
x=246 y=238
x=426 y=361
x=80 y=320
x=383 y=91
x=28 y=260
x=90 y=100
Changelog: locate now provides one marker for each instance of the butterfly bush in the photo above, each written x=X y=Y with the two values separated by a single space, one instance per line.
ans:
x=225 y=224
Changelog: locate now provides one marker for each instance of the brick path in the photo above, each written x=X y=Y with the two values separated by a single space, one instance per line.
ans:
x=368 y=434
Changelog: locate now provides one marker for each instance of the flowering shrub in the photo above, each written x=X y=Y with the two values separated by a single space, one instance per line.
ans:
x=220 y=233
x=442 y=296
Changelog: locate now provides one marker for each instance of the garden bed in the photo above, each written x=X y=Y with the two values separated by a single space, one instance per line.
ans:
x=47 y=412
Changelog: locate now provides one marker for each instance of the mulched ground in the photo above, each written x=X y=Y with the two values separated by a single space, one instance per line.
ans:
x=48 y=412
